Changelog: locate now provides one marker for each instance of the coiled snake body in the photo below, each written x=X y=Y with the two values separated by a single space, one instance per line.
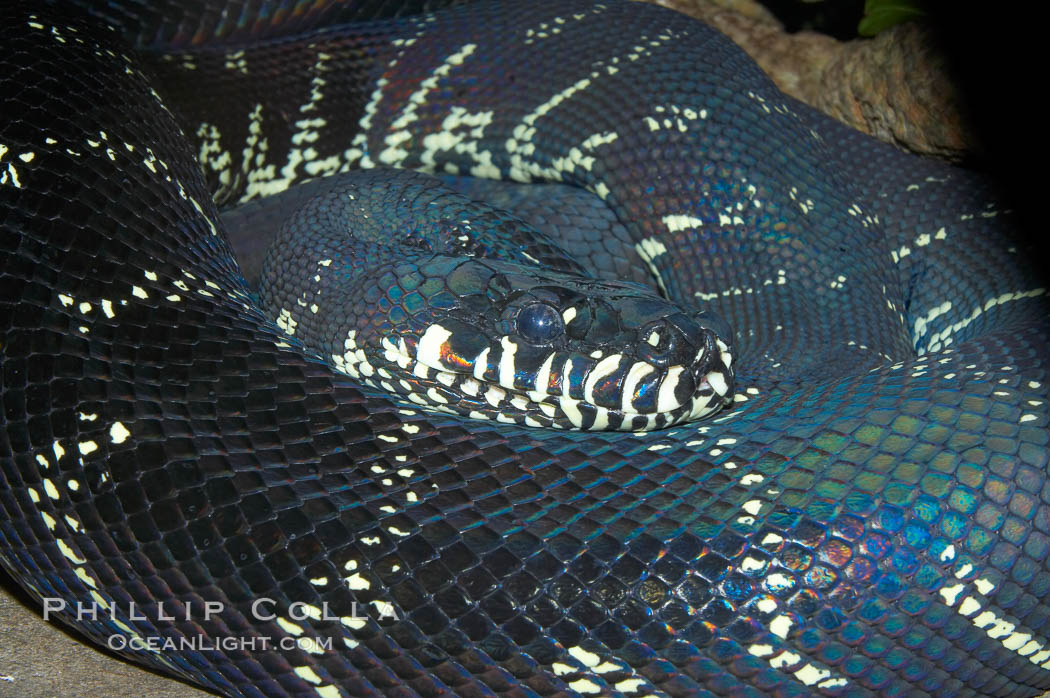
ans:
x=869 y=516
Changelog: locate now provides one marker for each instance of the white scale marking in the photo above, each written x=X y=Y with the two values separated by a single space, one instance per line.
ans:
x=665 y=399
x=481 y=364
x=637 y=372
x=118 y=433
x=568 y=404
x=428 y=350
x=718 y=382
x=603 y=368
x=939 y=339
x=543 y=377
x=494 y=395
x=506 y=362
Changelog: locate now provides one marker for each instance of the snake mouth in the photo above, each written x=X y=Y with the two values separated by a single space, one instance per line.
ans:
x=567 y=391
x=715 y=381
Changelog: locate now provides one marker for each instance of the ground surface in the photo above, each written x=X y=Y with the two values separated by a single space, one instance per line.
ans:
x=40 y=659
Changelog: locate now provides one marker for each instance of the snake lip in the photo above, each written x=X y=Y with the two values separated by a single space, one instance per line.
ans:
x=718 y=360
x=714 y=377
x=684 y=393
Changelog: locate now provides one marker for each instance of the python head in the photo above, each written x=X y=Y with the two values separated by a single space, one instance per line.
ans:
x=468 y=311
x=512 y=343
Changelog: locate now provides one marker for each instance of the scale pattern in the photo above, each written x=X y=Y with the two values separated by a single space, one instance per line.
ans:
x=872 y=516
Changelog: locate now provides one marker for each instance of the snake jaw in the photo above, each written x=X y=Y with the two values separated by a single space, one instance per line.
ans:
x=716 y=380
x=510 y=382
x=538 y=344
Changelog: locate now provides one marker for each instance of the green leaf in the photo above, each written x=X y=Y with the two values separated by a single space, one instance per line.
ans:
x=880 y=15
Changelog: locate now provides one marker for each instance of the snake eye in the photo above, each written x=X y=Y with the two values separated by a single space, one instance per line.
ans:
x=538 y=323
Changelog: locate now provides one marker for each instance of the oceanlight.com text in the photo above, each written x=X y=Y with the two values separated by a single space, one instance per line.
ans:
x=199 y=643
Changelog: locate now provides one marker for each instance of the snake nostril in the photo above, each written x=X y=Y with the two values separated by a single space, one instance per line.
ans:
x=662 y=344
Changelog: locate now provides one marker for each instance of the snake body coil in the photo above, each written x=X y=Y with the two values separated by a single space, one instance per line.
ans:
x=869 y=516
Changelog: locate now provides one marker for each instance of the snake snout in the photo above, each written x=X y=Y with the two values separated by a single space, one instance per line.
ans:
x=709 y=359
x=715 y=324
x=714 y=373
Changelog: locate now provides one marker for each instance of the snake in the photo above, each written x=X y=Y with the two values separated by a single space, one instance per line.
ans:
x=185 y=480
